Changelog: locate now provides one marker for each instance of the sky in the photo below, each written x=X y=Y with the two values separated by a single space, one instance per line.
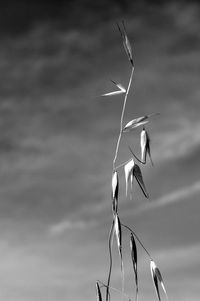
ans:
x=58 y=138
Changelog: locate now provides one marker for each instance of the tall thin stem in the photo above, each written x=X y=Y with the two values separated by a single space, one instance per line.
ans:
x=122 y=118
x=114 y=167
x=110 y=256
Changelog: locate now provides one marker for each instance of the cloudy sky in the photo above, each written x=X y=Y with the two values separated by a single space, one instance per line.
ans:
x=58 y=139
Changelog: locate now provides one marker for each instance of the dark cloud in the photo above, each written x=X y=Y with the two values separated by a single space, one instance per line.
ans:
x=18 y=17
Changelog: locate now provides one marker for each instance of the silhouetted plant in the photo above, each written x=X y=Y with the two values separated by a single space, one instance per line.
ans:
x=131 y=171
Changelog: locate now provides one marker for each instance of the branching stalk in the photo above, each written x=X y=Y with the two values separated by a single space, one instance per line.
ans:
x=114 y=168
x=122 y=118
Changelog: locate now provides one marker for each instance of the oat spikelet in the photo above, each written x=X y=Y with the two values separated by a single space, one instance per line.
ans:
x=98 y=292
x=134 y=261
x=128 y=169
x=126 y=43
x=118 y=233
x=137 y=122
x=115 y=191
x=156 y=276
x=121 y=90
x=138 y=175
x=145 y=146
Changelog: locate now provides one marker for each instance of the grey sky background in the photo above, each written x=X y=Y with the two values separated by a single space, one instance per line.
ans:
x=58 y=139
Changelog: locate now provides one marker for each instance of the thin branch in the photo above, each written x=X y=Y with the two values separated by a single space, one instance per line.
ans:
x=114 y=289
x=137 y=240
x=135 y=156
x=122 y=164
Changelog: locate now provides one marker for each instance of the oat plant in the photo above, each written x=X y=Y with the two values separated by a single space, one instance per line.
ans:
x=132 y=171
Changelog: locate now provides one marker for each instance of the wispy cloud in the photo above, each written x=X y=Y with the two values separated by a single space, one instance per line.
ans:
x=178 y=142
x=188 y=255
x=175 y=196
x=172 y=197
x=178 y=195
x=65 y=225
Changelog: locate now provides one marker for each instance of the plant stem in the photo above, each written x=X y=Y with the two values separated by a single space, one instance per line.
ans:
x=137 y=240
x=114 y=168
x=110 y=255
x=122 y=118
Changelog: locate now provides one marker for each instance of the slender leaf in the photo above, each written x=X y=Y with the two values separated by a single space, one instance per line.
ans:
x=134 y=260
x=138 y=175
x=128 y=169
x=98 y=292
